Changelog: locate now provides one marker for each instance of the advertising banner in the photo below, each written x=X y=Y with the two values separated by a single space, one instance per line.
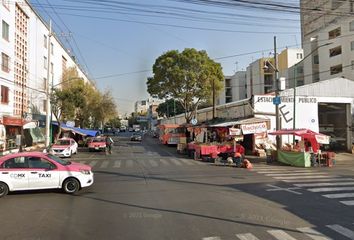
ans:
x=254 y=128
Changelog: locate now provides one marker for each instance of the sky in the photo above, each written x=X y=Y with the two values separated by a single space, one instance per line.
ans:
x=117 y=41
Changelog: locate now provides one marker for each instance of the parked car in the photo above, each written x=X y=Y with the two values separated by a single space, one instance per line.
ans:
x=135 y=137
x=36 y=170
x=97 y=143
x=64 y=147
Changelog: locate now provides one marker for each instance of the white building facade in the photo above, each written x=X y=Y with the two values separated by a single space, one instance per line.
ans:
x=329 y=38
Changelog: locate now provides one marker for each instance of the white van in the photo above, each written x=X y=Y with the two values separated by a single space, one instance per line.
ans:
x=2 y=137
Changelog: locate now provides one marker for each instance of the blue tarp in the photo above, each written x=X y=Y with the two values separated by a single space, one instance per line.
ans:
x=81 y=131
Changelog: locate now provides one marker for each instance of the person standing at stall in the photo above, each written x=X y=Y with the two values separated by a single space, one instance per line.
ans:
x=239 y=154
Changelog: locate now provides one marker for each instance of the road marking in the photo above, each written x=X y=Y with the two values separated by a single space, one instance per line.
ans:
x=117 y=164
x=177 y=162
x=324 y=184
x=129 y=163
x=293 y=174
x=313 y=233
x=104 y=164
x=285 y=171
x=301 y=177
x=211 y=238
x=153 y=163
x=276 y=188
x=246 y=236
x=319 y=180
x=188 y=162
x=165 y=162
x=281 y=235
x=348 y=203
x=92 y=163
x=342 y=230
x=331 y=189
x=338 y=195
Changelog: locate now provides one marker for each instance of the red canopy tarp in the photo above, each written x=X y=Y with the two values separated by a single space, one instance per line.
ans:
x=314 y=137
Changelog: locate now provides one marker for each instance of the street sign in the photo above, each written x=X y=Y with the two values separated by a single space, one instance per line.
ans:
x=194 y=121
x=276 y=100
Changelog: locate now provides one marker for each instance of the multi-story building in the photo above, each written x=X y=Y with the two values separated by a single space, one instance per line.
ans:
x=235 y=88
x=24 y=64
x=328 y=38
x=290 y=67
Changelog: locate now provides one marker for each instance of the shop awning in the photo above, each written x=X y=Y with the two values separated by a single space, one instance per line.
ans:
x=304 y=133
x=241 y=122
x=81 y=131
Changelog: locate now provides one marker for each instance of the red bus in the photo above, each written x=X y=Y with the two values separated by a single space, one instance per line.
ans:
x=171 y=134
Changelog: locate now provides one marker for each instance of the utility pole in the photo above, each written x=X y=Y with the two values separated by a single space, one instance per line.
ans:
x=49 y=112
x=214 y=108
x=277 y=119
x=22 y=98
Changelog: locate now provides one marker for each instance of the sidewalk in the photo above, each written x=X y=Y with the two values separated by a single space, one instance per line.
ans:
x=38 y=147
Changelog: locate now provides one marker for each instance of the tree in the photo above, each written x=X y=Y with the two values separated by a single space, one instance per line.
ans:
x=168 y=107
x=189 y=77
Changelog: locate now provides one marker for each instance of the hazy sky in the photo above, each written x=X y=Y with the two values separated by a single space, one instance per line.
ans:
x=117 y=41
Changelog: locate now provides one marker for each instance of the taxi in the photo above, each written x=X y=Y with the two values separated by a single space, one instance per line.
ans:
x=64 y=147
x=97 y=143
x=37 y=170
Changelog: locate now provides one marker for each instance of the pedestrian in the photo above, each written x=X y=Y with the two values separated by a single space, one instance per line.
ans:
x=109 y=143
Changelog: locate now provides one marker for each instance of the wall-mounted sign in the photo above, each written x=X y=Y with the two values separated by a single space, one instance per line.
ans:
x=194 y=121
x=254 y=128
x=234 y=131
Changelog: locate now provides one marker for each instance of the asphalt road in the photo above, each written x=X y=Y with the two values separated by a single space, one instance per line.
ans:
x=148 y=191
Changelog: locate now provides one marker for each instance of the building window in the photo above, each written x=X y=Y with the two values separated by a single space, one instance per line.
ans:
x=351 y=26
x=334 y=33
x=336 y=69
x=316 y=59
x=299 y=55
x=352 y=45
x=352 y=64
x=44 y=83
x=5 y=30
x=5 y=61
x=335 y=51
x=351 y=6
x=45 y=62
x=45 y=41
x=44 y=105
x=52 y=48
x=336 y=4
x=51 y=68
x=4 y=95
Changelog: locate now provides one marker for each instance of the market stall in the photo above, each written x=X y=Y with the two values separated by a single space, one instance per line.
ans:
x=303 y=153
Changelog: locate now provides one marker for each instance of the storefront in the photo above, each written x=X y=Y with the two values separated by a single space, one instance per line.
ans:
x=13 y=127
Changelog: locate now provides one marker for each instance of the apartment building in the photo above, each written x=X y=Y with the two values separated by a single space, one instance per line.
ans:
x=235 y=88
x=24 y=65
x=290 y=66
x=328 y=38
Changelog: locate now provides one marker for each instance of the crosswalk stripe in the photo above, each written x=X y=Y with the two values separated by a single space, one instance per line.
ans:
x=129 y=163
x=348 y=203
x=117 y=164
x=211 y=238
x=342 y=230
x=285 y=171
x=301 y=177
x=293 y=174
x=153 y=163
x=280 y=235
x=324 y=184
x=92 y=163
x=339 y=195
x=312 y=233
x=319 y=180
x=246 y=236
x=176 y=162
x=165 y=162
x=331 y=189
x=104 y=164
x=188 y=162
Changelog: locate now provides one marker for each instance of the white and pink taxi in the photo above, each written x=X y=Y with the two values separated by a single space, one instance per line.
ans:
x=64 y=147
x=36 y=170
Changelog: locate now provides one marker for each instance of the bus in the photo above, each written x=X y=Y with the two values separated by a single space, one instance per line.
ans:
x=171 y=134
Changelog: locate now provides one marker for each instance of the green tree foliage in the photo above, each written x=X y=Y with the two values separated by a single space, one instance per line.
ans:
x=189 y=77
x=81 y=102
x=169 y=107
